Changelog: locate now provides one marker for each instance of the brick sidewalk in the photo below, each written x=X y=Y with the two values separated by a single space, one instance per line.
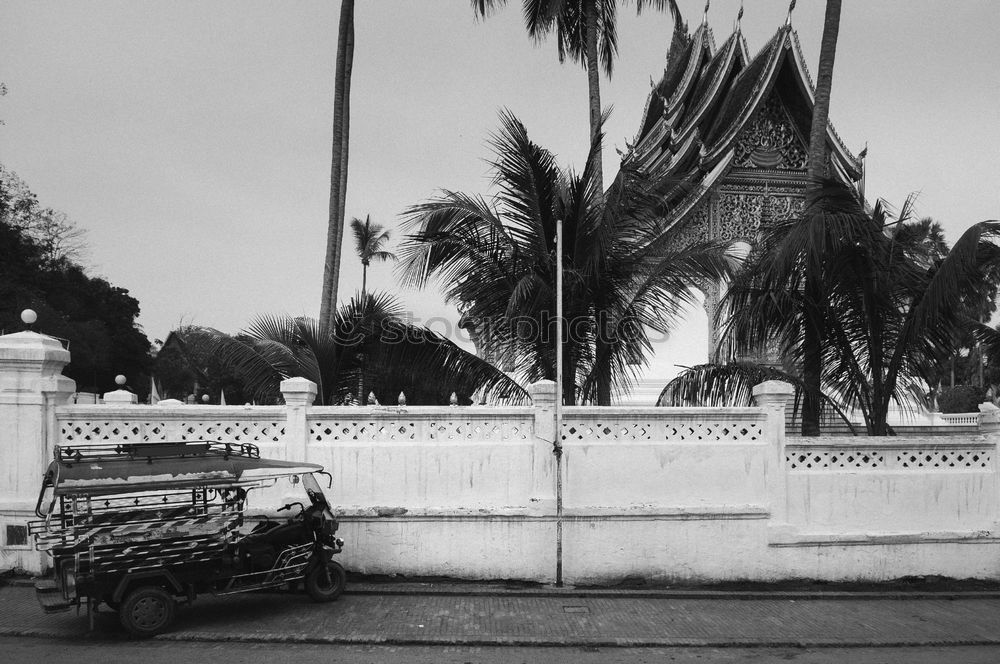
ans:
x=543 y=618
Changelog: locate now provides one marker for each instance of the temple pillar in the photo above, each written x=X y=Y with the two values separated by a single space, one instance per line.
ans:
x=713 y=296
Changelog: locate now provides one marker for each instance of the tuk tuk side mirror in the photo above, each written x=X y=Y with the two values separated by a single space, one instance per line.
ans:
x=46 y=501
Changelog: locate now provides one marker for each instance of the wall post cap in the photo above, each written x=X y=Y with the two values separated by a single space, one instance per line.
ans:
x=773 y=388
x=298 y=384
x=120 y=397
x=31 y=346
x=544 y=391
x=298 y=391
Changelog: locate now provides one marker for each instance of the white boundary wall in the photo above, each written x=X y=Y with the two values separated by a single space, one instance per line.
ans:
x=692 y=494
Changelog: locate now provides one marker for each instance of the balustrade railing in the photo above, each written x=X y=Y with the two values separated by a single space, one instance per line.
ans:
x=330 y=425
x=261 y=425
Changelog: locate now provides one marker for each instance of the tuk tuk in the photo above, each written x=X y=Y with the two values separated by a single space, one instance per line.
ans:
x=142 y=526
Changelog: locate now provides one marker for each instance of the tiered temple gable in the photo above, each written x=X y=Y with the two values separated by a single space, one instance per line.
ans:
x=737 y=129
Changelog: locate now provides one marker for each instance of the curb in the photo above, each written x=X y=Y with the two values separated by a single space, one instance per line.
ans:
x=475 y=590
x=500 y=641
x=677 y=594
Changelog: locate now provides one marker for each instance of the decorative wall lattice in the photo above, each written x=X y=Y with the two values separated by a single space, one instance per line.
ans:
x=888 y=459
x=944 y=459
x=99 y=432
x=418 y=429
x=121 y=430
x=579 y=429
x=835 y=459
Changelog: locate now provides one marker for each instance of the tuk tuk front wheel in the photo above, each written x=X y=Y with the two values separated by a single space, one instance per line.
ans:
x=325 y=583
x=147 y=611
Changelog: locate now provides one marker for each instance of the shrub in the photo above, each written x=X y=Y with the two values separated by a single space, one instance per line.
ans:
x=961 y=399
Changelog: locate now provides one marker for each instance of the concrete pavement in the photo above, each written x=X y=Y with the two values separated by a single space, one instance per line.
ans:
x=483 y=615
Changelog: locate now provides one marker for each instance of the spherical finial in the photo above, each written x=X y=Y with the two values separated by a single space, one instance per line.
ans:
x=453 y=399
x=402 y=399
x=204 y=398
x=120 y=380
x=28 y=316
x=372 y=399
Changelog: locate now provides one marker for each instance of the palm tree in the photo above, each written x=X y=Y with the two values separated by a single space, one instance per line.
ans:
x=892 y=310
x=586 y=32
x=496 y=259
x=338 y=165
x=400 y=357
x=369 y=239
x=812 y=351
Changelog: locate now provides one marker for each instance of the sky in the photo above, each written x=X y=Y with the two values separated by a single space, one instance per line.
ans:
x=191 y=139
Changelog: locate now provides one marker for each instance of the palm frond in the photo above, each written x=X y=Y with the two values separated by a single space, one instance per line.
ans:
x=731 y=384
x=484 y=8
x=260 y=365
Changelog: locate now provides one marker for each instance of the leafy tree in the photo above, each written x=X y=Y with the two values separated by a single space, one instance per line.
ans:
x=369 y=239
x=586 y=32
x=496 y=260
x=52 y=231
x=399 y=357
x=891 y=316
x=94 y=318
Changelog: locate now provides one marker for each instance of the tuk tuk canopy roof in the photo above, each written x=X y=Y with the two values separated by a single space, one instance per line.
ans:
x=134 y=467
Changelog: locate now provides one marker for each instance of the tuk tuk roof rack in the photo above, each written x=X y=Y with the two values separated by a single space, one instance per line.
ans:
x=149 y=452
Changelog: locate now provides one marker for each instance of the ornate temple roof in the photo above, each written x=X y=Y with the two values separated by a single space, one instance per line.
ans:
x=709 y=99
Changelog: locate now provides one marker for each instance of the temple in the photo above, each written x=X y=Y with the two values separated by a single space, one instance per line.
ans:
x=737 y=127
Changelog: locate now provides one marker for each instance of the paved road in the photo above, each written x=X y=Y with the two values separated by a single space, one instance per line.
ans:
x=539 y=619
x=33 y=650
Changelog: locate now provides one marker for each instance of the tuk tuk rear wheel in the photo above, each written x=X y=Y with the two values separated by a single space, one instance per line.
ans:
x=325 y=583
x=147 y=611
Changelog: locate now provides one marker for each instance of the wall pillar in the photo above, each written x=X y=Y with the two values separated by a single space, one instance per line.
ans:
x=989 y=419
x=989 y=425
x=543 y=398
x=31 y=386
x=772 y=395
x=299 y=394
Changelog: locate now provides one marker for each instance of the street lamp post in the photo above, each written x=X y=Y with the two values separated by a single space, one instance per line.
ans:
x=557 y=449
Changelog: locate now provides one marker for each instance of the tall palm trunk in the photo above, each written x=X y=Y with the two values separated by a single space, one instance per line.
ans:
x=338 y=165
x=812 y=364
x=602 y=357
x=569 y=376
x=593 y=83
x=362 y=399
